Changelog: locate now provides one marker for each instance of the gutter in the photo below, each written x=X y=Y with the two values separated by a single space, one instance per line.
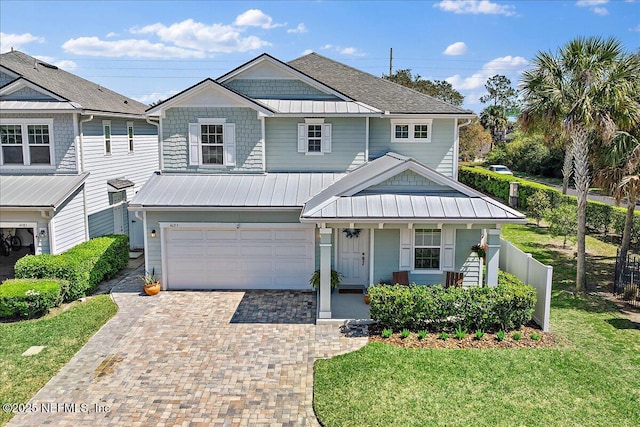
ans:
x=81 y=133
x=456 y=147
x=160 y=153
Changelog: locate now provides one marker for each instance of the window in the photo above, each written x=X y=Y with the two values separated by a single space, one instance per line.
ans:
x=130 y=135
x=212 y=137
x=411 y=130
x=314 y=137
x=28 y=142
x=212 y=142
x=106 y=129
x=427 y=249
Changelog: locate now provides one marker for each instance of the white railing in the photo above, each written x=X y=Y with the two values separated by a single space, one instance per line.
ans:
x=531 y=271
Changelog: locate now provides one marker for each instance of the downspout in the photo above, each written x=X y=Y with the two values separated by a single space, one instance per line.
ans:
x=264 y=142
x=366 y=140
x=81 y=133
x=48 y=215
x=456 y=148
x=76 y=139
x=160 y=155
x=84 y=186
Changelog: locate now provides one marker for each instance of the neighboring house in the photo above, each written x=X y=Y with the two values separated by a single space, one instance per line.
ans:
x=277 y=169
x=72 y=153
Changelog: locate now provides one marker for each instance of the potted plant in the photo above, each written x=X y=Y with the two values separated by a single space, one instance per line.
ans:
x=479 y=249
x=151 y=283
x=336 y=277
x=367 y=299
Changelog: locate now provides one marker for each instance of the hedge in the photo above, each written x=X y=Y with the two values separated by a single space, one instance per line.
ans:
x=601 y=218
x=83 y=266
x=28 y=298
x=505 y=307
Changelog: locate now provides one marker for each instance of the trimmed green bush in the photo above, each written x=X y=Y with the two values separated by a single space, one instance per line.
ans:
x=83 y=266
x=507 y=306
x=28 y=298
x=601 y=218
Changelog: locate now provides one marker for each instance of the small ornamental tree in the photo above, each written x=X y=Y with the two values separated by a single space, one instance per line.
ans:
x=563 y=221
x=538 y=206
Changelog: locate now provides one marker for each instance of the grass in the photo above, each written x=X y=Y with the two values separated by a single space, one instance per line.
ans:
x=63 y=334
x=590 y=379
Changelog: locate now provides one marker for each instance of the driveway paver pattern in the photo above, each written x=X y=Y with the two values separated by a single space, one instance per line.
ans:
x=195 y=359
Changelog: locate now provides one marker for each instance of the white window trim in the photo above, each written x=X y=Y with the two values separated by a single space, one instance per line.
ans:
x=26 y=161
x=229 y=143
x=131 y=139
x=106 y=123
x=412 y=125
x=325 y=140
x=415 y=270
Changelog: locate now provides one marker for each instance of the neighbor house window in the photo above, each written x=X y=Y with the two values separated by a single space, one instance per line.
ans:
x=26 y=142
x=212 y=140
x=314 y=137
x=427 y=249
x=411 y=130
x=106 y=131
x=130 y=135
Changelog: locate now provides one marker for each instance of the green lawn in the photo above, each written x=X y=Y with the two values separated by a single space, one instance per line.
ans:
x=63 y=335
x=590 y=379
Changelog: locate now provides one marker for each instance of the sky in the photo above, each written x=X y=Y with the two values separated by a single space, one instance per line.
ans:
x=150 y=50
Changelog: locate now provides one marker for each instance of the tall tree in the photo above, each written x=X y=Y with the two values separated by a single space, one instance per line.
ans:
x=437 y=88
x=474 y=140
x=501 y=97
x=588 y=88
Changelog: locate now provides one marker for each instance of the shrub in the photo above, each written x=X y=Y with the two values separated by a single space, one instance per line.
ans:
x=443 y=336
x=83 y=266
x=507 y=306
x=538 y=205
x=563 y=221
x=501 y=335
x=516 y=336
x=405 y=333
x=422 y=334
x=386 y=333
x=28 y=298
x=479 y=334
x=460 y=333
x=535 y=336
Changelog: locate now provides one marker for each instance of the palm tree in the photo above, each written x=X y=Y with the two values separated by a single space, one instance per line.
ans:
x=493 y=118
x=589 y=90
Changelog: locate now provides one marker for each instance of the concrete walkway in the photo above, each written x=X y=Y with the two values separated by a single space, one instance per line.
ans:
x=194 y=359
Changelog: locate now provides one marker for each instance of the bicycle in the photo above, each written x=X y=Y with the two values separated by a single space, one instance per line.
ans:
x=10 y=242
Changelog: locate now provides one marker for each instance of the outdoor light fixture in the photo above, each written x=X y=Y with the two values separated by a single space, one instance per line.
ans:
x=43 y=233
x=153 y=233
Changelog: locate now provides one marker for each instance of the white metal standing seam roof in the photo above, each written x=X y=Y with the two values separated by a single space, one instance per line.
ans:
x=293 y=106
x=37 y=191
x=241 y=190
x=419 y=207
x=36 y=105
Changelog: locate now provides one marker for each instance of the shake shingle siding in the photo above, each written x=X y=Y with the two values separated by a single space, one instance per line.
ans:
x=277 y=89
x=5 y=78
x=26 y=94
x=175 y=128
x=69 y=223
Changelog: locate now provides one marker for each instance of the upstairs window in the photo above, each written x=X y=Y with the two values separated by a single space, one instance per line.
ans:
x=314 y=137
x=212 y=142
x=212 y=137
x=106 y=131
x=26 y=142
x=130 y=135
x=411 y=130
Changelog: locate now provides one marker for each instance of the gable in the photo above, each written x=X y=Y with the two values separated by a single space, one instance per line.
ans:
x=278 y=89
x=405 y=182
x=209 y=97
x=5 y=78
x=27 y=94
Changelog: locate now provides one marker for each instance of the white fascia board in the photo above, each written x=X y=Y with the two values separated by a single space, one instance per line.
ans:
x=376 y=115
x=286 y=68
x=112 y=114
x=22 y=83
x=414 y=221
x=212 y=208
x=9 y=72
x=418 y=116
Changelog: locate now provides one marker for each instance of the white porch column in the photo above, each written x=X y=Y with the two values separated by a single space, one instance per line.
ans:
x=493 y=256
x=325 y=274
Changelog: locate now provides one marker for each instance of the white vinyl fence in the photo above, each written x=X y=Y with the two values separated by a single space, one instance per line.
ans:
x=531 y=271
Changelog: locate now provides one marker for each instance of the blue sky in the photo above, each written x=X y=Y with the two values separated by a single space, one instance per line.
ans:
x=149 y=50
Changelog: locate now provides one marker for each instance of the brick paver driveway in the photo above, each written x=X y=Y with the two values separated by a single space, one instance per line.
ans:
x=195 y=359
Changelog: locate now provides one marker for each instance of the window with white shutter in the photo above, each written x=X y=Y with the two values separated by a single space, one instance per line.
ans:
x=314 y=137
x=212 y=142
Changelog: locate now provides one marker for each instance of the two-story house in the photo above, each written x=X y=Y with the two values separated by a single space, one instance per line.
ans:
x=72 y=153
x=277 y=169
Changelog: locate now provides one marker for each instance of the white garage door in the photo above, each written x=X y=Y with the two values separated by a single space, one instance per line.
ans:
x=248 y=257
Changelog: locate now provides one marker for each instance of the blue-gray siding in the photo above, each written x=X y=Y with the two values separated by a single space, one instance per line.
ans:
x=277 y=89
x=69 y=224
x=386 y=257
x=437 y=154
x=5 y=78
x=347 y=146
x=407 y=182
x=175 y=130
x=101 y=223
x=27 y=94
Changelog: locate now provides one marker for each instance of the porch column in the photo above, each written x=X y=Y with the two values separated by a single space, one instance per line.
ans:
x=325 y=274
x=493 y=256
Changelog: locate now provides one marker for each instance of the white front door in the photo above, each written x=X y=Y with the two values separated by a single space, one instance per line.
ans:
x=117 y=200
x=353 y=256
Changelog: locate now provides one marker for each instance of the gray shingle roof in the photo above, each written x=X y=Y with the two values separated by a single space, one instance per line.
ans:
x=364 y=87
x=37 y=191
x=89 y=95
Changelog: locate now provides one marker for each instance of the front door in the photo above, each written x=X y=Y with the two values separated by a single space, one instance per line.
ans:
x=353 y=256
x=117 y=200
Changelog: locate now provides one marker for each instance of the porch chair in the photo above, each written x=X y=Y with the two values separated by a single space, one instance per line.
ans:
x=401 y=278
x=454 y=279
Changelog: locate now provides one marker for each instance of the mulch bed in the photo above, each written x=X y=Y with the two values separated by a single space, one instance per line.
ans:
x=470 y=341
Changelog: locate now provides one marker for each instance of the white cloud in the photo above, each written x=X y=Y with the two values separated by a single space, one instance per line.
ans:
x=636 y=28
x=255 y=18
x=215 y=38
x=602 y=11
x=155 y=96
x=17 y=41
x=65 y=64
x=457 y=48
x=351 y=51
x=595 y=6
x=307 y=52
x=506 y=65
x=112 y=34
x=299 y=29
x=134 y=48
x=475 y=7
